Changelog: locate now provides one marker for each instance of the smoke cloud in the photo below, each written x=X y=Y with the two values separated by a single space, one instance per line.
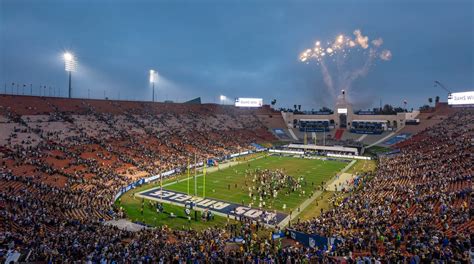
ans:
x=341 y=57
x=386 y=55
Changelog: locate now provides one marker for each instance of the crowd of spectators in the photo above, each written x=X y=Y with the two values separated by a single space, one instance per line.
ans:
x=417 y=206
x=61 y=168
x=63 y=161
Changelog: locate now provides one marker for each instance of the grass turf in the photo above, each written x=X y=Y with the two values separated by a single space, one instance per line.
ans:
x=229 y=184
x=362 y=166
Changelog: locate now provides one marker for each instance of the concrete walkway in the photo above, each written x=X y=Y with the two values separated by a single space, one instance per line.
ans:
x=292 y=134
x=340 y=182
x=125 y=224
x=361 y=138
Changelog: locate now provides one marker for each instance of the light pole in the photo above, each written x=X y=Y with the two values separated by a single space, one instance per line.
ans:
x=153 y=79
x=222 y=98
x=69 y=66
x=439 y=84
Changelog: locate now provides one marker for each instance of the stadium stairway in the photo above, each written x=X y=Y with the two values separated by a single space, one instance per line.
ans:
x=339 y=134
x=292 y=133
x=361 y=138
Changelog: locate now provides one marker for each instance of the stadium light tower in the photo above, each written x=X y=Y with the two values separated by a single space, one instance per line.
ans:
x=69 y=66
x=222 y=98
x=153 y=79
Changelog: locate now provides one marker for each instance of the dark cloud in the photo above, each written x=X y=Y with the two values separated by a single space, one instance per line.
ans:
x=245 y=48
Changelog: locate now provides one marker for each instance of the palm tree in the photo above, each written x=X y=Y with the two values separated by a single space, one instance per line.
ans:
x=430 y=100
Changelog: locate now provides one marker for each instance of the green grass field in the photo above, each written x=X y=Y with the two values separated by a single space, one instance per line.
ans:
x=217 y=183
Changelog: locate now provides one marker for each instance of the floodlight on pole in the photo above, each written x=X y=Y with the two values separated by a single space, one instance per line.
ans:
x=153 y=79
x=222 y=98
x=69 y=66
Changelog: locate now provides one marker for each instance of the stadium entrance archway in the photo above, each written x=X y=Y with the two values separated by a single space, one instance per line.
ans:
x=342 y=120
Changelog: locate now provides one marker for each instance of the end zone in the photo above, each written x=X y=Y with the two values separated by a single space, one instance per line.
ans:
x=222 y=208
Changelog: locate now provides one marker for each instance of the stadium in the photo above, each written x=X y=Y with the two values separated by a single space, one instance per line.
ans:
x=107 y=180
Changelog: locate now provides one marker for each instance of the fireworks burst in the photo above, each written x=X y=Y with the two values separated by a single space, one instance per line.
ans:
x=338 y=51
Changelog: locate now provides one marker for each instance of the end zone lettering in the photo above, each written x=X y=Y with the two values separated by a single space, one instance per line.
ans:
x=222 y=207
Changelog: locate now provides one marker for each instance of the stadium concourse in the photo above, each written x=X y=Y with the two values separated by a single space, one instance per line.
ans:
x=63 y=161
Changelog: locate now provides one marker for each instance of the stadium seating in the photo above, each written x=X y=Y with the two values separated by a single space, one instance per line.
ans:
x=314 y=125
x=367 y=127
x=422 y=192
x=63 y=161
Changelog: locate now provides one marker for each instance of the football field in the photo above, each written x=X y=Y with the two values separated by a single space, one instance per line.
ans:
x=232 y=183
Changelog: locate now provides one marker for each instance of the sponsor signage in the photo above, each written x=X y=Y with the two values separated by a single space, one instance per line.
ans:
x=342 y=110
x=239 y=154
x=156 y=177
x=348 y=156
x=129 y=187
x=249 y=102
x=463 y=98
x=218 y=206
x=309 y=240
x=278 y=235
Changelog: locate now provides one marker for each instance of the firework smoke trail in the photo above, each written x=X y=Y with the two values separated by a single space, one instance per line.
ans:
x=341 y=48
x=327 y=79
x=346 y=84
